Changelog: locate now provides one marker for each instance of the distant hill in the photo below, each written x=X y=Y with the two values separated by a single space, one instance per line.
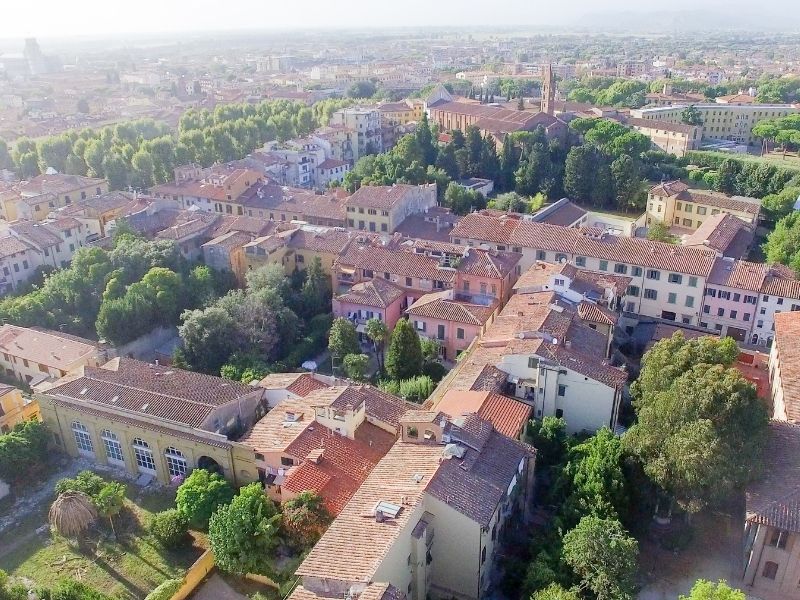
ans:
x=671 y=21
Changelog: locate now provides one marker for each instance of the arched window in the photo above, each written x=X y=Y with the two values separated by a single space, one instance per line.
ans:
x=176 y=462
x=113 y=447
x=144 y=456
x=83 y=440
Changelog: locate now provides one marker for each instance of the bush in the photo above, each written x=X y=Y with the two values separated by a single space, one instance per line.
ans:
x=416 y=389
x=166 y=590
x=169 y=527
x=200 y=495
x=69 y=589
x=86 y=481
x=435 y=370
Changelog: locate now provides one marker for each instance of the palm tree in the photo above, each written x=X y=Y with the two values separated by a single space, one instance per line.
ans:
x=72 y=513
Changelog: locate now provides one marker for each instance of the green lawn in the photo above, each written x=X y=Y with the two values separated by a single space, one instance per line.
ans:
x=129 y=567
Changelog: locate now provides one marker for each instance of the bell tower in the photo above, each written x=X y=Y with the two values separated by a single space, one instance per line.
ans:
x=548 y=90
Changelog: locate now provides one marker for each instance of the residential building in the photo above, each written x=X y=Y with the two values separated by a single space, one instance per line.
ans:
x=667 y=280
x=331 y=170
x=34 y=355
x=18 y=262
x=730 y=300
x=395 y=116
x=363 y=125
x=327 y=440
x=434 y=224
x=54 y=240
x=215 y=189
x=377 y=298
x=453 y=323
x=476 y=184
x=784 y=365
x=430 y=517
x=15 y=408
x=382 y=208
x=675 y=204
x=779 y=292
x=39 y=196
x=96 y=212
x=674 y=138
x=152 y=421
x=724 y=233
x=772 y=518
x=296 y=162
x=507 y=416
x=732 y=122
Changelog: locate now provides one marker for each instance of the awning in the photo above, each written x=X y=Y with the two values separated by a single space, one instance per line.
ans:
x=347 y=271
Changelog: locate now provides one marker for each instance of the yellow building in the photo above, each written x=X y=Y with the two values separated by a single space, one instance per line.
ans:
x=733 y=122
x=401 y=113
x=295 y=249
x=382 y=208
x=43 y=194
x=15 y=408
x=34 y=355
x=153 y=421
x=429 y=518
x=676 y=205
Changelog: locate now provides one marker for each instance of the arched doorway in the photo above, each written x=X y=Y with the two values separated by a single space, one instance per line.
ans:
x=209 y=464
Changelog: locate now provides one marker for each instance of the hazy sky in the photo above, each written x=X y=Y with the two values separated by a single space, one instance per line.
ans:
x=62 y=18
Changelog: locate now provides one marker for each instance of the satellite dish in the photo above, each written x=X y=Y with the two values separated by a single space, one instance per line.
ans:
x=309 y=365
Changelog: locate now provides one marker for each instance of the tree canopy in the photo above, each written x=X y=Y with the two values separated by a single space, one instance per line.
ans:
x=404 y=358
x=700 y=427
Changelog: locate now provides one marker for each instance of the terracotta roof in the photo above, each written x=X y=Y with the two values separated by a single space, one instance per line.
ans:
x=781 y=286
x=507 y=416
x=230 y=240
x=161 y=392
x=665 y=189
x=332 y=241
x=255 y=226
x=588 y=311
x=439 y=305
x=787 y=344
x=707 y=197
x=774 y=500
x=276 y=430
x=723 y=232
x=9 y=246
x=380 y=196
x=51 y=348
x=305 y=384
x=399 y=478
x=373 y=591
x=739 y=274
x=57 y=184
x=377 y=292
x=38 y=234
x=369 y=255
x=332 y=163
x=332 y=465
x=490 y=379
x=424 y=225
x=488 y=263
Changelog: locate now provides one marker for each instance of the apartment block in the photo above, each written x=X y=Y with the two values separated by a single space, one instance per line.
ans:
x=733 y=122
x=676 y=205
x=382 y=208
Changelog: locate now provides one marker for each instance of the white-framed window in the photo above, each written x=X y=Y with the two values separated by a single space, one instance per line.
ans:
x=176 y=462
x=83 y=440
x=144 y=456
x=113 y=447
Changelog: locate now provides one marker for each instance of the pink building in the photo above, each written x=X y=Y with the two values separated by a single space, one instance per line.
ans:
x=375 y=299
x=453 y=323
x=485 y=276
x=731 y=297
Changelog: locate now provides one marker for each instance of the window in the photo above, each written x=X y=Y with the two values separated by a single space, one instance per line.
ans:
x=562 y=390
x=746 y=316
x=604 y=265
x=633 y=290
x=650 y=294
x=675 y=278
x=440 y=332
x=83 y=440
x=724 y=295
x=408 y=282
x=701 y=210
x=778 y=539
x=483 y=555
x=176 y=462
x=733 y=314
x=580 y=261
x=692 y=281
x=460 y=333
x=621 y=269
x=780 y=300
x=720 y=312
x=143 y=455
x=679 y=206
x=533 y=362
x=760 y=323
x=706 y=309
x=689 y=301
x=687 y=222
x=736 y=297
x=653 y=274
x=637 y=271
x=763 y=310
x=770 y=570
x=688 y=208
x=113 y=447
x=559 y=413
x=541 y=255
x=672 y=298
x=561 y=258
